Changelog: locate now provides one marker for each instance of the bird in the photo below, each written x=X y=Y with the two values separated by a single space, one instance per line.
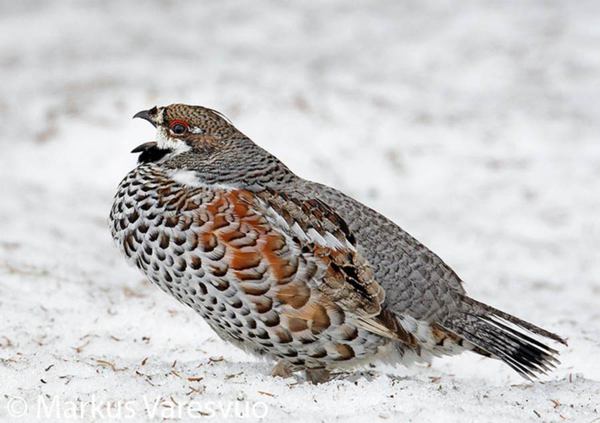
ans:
x=295 y=271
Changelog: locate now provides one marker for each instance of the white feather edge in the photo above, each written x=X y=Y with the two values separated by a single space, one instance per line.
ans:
x=190 y=178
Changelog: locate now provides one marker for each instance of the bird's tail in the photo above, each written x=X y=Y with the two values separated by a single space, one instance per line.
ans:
x=500 y=335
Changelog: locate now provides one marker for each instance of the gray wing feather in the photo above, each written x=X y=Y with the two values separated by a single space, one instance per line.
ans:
x=404 y=267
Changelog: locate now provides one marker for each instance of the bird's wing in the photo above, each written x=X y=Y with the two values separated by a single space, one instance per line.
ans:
x=321 y=234
x=296 y=255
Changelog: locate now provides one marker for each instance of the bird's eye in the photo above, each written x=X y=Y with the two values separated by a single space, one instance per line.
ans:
x=178 y=127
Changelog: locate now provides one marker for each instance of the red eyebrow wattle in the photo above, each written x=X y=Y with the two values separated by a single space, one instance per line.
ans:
x=178 y=121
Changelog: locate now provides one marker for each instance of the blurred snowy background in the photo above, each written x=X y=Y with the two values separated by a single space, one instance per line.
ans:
x=474 y=125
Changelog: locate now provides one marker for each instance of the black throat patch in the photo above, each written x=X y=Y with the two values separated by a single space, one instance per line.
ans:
x=153 y=154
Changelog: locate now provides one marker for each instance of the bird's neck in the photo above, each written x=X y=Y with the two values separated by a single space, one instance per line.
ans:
x=240 y=163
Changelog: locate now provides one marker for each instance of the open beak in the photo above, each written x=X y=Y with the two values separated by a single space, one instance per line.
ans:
x=148 y=115
x=144 y=147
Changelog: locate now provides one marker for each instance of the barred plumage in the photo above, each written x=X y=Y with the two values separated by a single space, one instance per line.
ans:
x=291 y=269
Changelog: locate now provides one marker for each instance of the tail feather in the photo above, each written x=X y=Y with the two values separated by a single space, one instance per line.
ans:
x=489 y=310
x=504 y=337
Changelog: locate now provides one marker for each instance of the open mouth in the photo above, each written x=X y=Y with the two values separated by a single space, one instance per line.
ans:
x=150 y=152
x=145 y=146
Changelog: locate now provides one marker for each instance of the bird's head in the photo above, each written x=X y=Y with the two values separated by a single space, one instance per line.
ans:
x=202 y=141
x=181 y=128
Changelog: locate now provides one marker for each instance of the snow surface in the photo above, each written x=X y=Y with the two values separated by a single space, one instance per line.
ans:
x=475 y=125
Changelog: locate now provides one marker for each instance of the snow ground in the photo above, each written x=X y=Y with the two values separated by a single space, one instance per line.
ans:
x=474 y=125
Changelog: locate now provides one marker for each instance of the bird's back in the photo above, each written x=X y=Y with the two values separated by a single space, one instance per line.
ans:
x=416 y=281
x=228 y=229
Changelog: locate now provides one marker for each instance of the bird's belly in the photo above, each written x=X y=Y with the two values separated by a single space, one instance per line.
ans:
x=187 y=243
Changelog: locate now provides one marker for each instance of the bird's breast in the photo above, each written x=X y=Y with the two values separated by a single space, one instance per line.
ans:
x=215 y=250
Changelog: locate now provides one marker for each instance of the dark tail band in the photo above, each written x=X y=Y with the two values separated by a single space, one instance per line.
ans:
x=505 y=337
